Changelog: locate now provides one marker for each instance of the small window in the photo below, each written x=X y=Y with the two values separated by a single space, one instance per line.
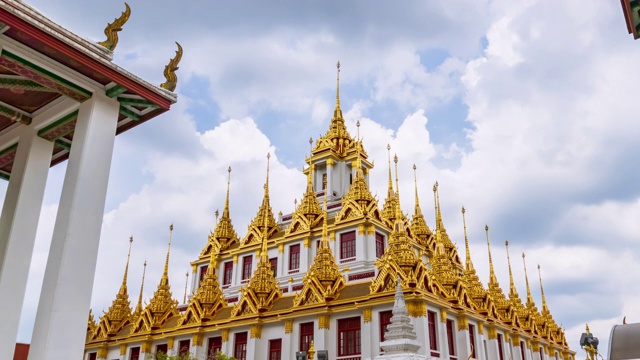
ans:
x=134 y=353
x=348 y=246
x=275 y=349
x=349 y=336
x=240 y=346
x=450 y=340
x=228 y=273
x=93 y=356
x=184 y=347
x=274 y=266
x=385 y=319
x=522 y=349
x=213 y=347
x=379 y=245
x=500 y=350
x=162 y=349
x=203 y=272
x=472 y=340
x=433 y=334
x=246 y=267
x=306 y=335
x=294 y=258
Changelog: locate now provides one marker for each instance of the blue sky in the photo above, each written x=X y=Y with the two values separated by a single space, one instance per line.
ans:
x=523 y=111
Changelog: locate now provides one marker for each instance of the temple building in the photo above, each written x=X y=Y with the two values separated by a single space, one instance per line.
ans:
x=324 y=278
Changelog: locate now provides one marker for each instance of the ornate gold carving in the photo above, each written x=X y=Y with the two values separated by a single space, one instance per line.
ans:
x=367 y=314
x=306 y=242
x=112 y=29
x=332 y=236
x=535 y=346
x=389 y=208
x=145 y=347
x=197 y=339
x=308 y=213
x=480 y=328
x=323 y=321
x=224 y=235
x=225 y=335
x=463 y=323
x=419 y=227
x=312 y=350
x=123 y=349
x=103 y=351
x=170 y=342
x=416 y=308
x=323 y=281
x=515 y=340
x=170 y=71
x=528 y=343
x=361 y=229
x=494 y=291
x=492 y=332
x=330 y=162
x=194 y=268
x=255 y=331
x=264 y=220
x=443 y=315
x=281 y=249
x=288 y=326
x=235 y=259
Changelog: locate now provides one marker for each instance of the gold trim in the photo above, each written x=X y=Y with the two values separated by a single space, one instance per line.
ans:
x=288 y=326
x=225 y=335
x=367 y=314
x=463 y=323
x=443 y=315
x=255 y=331
x=197 y=339
x=323 y=322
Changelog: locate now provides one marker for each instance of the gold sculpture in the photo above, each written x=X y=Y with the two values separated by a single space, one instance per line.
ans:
x=170 y=71
x=113 y=28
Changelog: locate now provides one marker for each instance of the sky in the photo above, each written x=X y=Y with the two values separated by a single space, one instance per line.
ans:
x=523 y=111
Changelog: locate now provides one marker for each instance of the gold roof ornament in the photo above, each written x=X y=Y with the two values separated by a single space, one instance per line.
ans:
x=264 y=220
x=308 y=214
x=112 y=29
x=419 y=228
x=263 y=289
x=523 y=318
x=138 y=311
x=474 y=286
x=119 y=312
x=400 y=262
x=91 y=323
x=170 y=71
x=162 y=306
x=337 y=139
x=389 y=207
x=323 y=281
x=223 y=235
x=494 y=289
x=450 y=249
x=208 y=299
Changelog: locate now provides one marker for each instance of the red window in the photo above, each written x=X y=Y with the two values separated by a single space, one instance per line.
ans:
x=472 y=340
x=349 y=336
x=522 y=349
x=348 y=245
x=134 y=353
x=93 y=356
x=379 y=245
x=246 y=267
x=240 y=346
x=183 y=347
x=275 y=349
x=213 y=347
x=306 y=335
x=228 y=273
x=162 y=349
x=500 y=352
x=450 y=341
x=385 y=319
x=433 y=333
x=274 y=266
x=294 y=258
x=203 y=272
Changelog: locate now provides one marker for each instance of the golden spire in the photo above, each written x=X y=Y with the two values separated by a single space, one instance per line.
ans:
x=161 y=300
x=309 y=205
x=337 y=113
x=390 y=192
x=126 y=268
x=224 y=232
x=170 y=71
x=165 y=273
x=389 y=207
x=512 y=287
x=492 y=274
x=530 y=303
x=138 y=310
x=419 y=227
x=545 y=309
x=112 y=29
x=186 y=282
x=264 y=218
x=395 y=161
x=468 y=263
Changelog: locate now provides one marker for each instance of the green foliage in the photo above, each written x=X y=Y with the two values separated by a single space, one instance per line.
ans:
x=162 y=356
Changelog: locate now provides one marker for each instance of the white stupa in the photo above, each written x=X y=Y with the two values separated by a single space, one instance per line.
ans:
x=400 y=338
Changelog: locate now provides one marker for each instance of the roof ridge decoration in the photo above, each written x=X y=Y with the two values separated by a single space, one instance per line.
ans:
x=447 y=279
x=494 y=290
x=112 y=29
x=337 y=139
x=308 y=214
x=91 y=324
x=138 y=311
x=474 y=286
x=263 y=290
x=170 y=71
x=264 y=220
x=541 y=322
x=556 y=332
x=162 y=306
x=323 y=281
x=119 y=313
x=520 y=313
x=208 y=298
x=224 y=235
x=358 y=203
x=419 y=228
x=400 y=262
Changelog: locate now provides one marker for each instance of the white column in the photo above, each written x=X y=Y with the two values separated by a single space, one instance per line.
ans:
x=517 y=352
x=18 y=224
x=462 y=344
x=68 y=280
x=492 y=349
x=367 y=335
x=329 y=190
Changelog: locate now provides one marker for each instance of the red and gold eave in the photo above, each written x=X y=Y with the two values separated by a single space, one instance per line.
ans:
x=23 y=86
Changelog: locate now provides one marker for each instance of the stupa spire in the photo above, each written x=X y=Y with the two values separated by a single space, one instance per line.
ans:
x=395 y=161
x=512 y=287
x=165 y=273
x=224 y=233
x=419 y=227
x=492 y=275
x=264 y=218
x=123 y=287
x=545 y=308
x=530 y=302
x=337 y=112
x=139 y=305
x=390 y=192
x=468 y=263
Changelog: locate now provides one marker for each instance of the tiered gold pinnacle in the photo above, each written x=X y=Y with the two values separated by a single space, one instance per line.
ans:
x=474 y=287
x=494 y=289
x=419 y=227
x=138 y=311
x=389 y=207
x=514 y=298
x=264 y=220
x=323 y=281
x=307 y=214
x=224 y=233
x=443 y=270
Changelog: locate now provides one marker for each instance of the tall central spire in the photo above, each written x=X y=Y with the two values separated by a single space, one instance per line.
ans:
x=389 y=207
x=337 y=113
x=492 y=275
x=224 y=232
x=264 y=218
x=126 y=268
x=468 y=263
x=419 y=227
x=165 y=273
x=138 y=310
x=513 y=293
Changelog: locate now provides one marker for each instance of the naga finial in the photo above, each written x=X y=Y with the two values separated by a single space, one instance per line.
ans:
x=170 y=71
x=113 y=28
